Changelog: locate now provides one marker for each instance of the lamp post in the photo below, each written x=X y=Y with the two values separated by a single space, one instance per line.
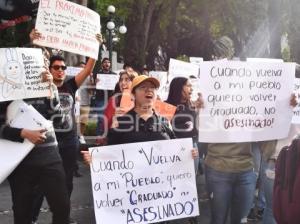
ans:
x=111 y=28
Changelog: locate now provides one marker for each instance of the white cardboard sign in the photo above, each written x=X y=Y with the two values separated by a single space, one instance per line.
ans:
x=296 y=117
x=107 y=81
x=182 y=69
x=11 y=154
x=19 y=115
x=73 y=71
x=144 y=182
x=162 y=77
x=68 y=26
x=20 y=74
x=245 y=101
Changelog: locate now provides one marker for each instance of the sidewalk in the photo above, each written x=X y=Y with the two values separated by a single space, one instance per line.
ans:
x=81 y=202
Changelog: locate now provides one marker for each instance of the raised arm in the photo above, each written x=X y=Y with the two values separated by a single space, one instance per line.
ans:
x=81 y=76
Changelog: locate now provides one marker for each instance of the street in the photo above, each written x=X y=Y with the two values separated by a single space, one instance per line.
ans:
x=82 y=202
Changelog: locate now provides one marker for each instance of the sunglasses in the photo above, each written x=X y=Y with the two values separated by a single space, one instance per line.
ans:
x=57 y=67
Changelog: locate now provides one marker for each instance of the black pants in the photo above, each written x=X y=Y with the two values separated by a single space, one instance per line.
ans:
x=68 y=155
x=51 y=180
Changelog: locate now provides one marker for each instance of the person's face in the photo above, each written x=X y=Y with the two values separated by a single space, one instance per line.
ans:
x=129 y=69
x=187 y=91
x=57 y=70
x=124 y=82
x=145 y=94
x=106 y=65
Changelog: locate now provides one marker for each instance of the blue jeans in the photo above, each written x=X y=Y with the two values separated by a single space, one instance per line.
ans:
x=268 y=189
x=260 y=168
x=230 y=191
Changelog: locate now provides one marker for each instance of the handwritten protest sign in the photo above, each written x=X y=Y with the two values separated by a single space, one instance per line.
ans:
x=19 y=115
x=20 y=74
x=106 y=81
x=72 y=71
x=296 y=117
x=182 y=69
x=144 y=182
x=162 y=77
x=245 y=101
x=68 y=26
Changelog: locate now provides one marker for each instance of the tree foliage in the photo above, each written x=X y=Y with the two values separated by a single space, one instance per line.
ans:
x=160 y=29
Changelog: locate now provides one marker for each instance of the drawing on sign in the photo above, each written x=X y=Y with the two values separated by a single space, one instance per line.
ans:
x=20 y=74
x=12 y=74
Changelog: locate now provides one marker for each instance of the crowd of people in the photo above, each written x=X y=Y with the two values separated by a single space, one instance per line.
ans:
x=48 y=170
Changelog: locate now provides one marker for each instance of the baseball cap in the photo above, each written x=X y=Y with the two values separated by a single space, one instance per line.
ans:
x=143 y=78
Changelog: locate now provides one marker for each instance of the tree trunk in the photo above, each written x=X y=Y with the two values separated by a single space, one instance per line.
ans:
x=275 y=28
x=294 y=30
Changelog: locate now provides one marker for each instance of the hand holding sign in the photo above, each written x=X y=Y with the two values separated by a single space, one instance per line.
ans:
x=35 y=137
x=34 y=35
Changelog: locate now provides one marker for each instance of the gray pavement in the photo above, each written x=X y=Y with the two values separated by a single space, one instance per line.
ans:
x=82 y=202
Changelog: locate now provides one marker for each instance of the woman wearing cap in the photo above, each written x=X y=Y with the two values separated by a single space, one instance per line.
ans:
x=142 y=123
x=145 y=124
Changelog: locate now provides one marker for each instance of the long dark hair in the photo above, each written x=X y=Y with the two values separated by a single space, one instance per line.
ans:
x=175 y=92
x=117 y=90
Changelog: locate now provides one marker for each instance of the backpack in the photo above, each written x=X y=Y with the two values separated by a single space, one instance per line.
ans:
x=286 y=191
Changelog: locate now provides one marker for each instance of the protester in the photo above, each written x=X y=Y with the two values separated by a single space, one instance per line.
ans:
x=128 y=68
x=42 y=167
x=140 y=124
x=231 y=179
x=282 y=180
x=102 y=96
x=145 y=71
x=84 y=93
x=149 y=125
x=271 y=151
x=113 y=107
x=185 y=118
x=230 y=175
x=66 y=132
x=259 y=202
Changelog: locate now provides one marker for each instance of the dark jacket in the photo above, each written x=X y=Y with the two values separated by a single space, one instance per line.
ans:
x=133 y=129
x=184 y=122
